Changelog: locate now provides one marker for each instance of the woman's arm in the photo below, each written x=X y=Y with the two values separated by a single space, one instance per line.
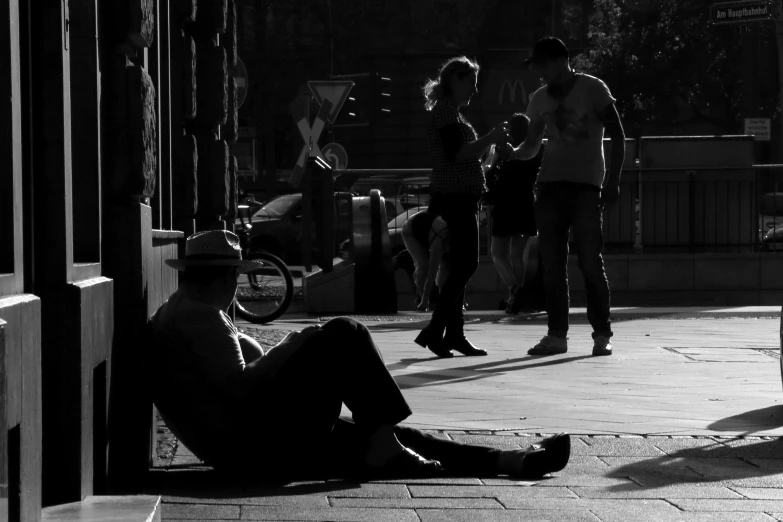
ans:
x=476 y=148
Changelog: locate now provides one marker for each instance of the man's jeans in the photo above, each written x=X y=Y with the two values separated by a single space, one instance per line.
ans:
x=560 y=207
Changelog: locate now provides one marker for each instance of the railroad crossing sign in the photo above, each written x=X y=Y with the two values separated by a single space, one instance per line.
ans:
x=335 y=155
x=740 y=12
x=335 y=92
x=300 y=110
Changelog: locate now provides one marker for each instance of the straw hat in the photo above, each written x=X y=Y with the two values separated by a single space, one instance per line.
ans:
x=213 y=248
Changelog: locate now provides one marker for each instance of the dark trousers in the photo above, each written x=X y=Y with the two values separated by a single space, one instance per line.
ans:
x=460 y=212
x=299 y=432
x=562 y=207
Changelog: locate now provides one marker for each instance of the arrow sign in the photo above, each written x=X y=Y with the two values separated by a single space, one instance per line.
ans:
x=335 y=92
x=310 y=135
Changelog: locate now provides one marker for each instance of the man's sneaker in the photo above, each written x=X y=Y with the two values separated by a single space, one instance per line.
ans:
x=602 y=346
x=549 y=345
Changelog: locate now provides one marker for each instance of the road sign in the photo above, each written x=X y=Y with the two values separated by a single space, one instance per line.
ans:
x=300 y=110
x=335 y=155
x=334 y=91
x=759 y=128
x=740 y=12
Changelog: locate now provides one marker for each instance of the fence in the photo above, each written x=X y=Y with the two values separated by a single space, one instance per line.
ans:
x=660 y=210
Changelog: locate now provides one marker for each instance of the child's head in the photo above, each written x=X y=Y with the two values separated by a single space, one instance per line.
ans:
x=518 y=128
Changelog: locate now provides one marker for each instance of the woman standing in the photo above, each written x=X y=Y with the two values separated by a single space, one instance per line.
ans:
x=456 y=185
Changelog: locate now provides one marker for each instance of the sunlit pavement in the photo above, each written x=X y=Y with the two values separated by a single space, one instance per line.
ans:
x=680 y=423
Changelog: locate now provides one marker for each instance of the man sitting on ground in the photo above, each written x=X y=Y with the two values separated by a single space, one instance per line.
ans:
x=216 y=387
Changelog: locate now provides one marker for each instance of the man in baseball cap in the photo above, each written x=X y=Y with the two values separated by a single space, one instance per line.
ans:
x=573 y=188
x=547 y=49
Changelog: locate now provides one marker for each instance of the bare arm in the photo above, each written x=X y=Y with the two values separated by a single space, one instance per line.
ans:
x=610 y=118
x=532 y=144
x=275 y=358
x=476 y=148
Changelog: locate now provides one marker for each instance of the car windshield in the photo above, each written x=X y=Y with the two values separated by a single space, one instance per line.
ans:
x=278 y=206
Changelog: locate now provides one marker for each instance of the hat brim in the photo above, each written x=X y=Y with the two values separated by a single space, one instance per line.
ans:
x=527 y=64
x=244 y=265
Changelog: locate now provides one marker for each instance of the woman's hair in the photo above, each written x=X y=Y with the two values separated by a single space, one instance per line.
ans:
x=440 y=88
x=517 y=127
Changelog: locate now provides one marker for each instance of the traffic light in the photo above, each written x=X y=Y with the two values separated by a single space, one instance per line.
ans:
x=369 y=101
x=380 y=96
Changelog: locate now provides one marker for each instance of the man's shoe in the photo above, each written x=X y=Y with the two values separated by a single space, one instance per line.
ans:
x=550 y=345
x=550 y=455
x=463 y=346
x=602 y=346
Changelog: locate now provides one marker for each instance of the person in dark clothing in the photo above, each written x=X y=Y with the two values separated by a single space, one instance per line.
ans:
x=456 y=185
x=510 y=183
x=214 y=385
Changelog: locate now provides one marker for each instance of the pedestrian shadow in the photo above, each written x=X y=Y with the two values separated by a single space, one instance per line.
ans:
x=476 y=371
x=742 y=462
x=194 y=482
x=752 y=421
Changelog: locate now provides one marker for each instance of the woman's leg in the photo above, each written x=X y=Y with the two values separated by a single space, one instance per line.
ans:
x=501 y=249
x=461 y=214
x=517 y=255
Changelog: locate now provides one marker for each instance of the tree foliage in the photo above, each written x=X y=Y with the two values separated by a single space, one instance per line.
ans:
x=666 y=64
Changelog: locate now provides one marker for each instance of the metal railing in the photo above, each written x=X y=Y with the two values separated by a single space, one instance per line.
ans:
x=661 y=210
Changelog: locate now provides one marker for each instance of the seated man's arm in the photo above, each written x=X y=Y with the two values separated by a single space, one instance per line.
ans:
x=266 y=367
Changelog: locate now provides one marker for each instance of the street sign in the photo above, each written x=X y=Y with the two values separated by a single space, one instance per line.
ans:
x=300 y=110
x=759 y=128
x=334 y=91
x=335 y=155
x=740 y=12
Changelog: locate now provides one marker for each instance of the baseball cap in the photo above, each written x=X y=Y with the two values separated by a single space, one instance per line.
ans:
x=546 y=49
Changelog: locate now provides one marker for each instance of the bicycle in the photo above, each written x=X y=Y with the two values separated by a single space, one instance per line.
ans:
x=269 y=289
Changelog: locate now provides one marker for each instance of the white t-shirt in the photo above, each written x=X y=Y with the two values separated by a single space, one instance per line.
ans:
x=574 y=150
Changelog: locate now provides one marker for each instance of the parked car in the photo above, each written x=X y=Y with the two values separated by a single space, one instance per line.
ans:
x=276 y=227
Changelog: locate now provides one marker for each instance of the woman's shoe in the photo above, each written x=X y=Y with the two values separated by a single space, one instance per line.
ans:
x=463 y=346
x=549 y=455
x=407 y=464
x=433 y=341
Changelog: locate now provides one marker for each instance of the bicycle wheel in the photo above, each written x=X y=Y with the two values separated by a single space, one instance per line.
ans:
x=267 y=291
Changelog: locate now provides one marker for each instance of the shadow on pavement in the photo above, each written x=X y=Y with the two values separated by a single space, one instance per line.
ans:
x=200 y=482
x=463 y=373
x=740 y=461
x=752 y=421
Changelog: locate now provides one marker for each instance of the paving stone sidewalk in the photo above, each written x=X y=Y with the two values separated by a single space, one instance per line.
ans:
x=701 y=459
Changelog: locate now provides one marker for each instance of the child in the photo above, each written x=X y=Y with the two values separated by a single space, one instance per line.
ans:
x=513 y=216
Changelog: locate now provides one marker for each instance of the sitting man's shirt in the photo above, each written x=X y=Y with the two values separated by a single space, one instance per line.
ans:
x=574 y=132
x=199 y=364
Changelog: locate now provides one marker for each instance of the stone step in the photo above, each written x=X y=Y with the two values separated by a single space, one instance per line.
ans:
x=130 y=508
